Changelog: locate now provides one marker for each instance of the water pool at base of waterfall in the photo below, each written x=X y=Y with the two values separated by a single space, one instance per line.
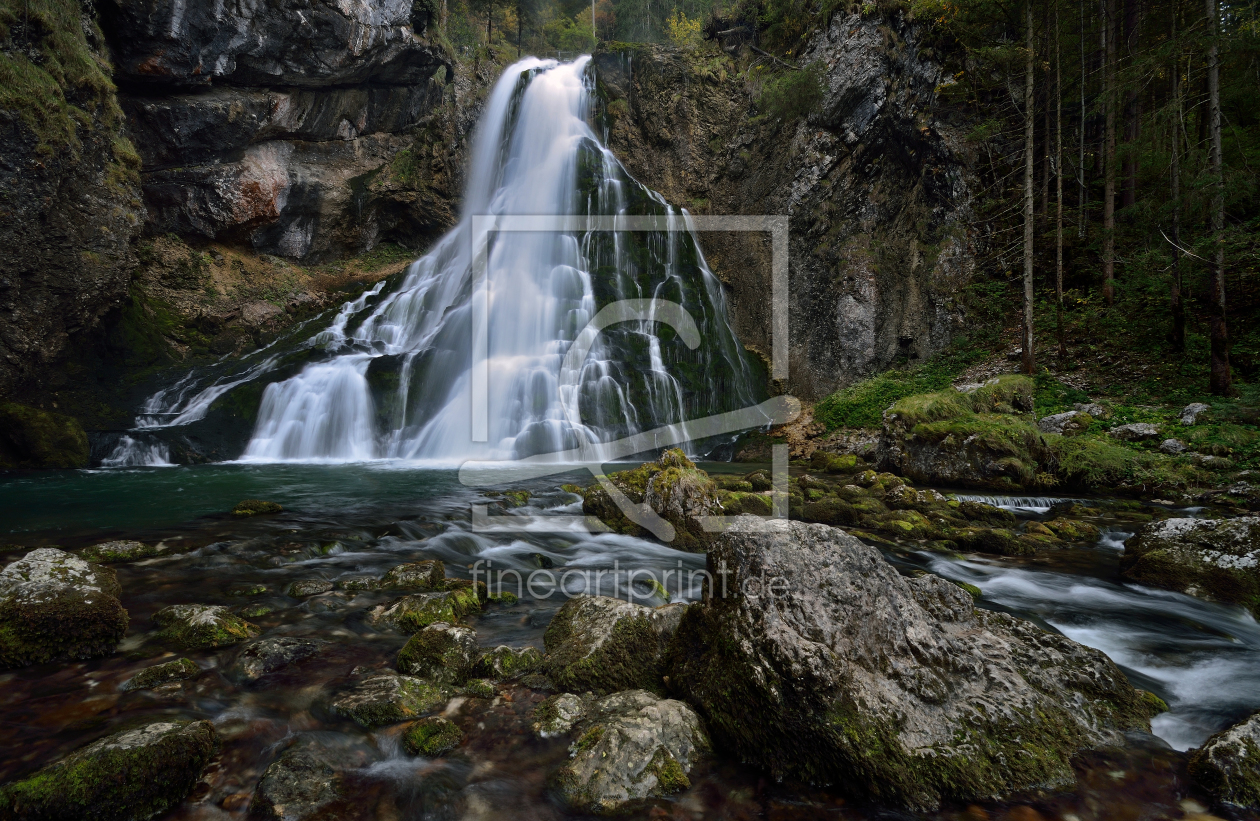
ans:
x=349 y=521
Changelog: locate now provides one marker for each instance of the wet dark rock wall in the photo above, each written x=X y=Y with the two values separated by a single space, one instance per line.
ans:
x=873 y=180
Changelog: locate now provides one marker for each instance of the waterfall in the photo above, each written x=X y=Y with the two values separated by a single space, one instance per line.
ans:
x=391 y=376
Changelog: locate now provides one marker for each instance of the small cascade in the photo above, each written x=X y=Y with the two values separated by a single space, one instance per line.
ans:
x=133 y=452
x=392 y=375
x=1026 y=505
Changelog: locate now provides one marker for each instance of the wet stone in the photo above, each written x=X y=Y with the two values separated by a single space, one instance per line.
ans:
x=442 y=653
x=603 y=644
x=308 y=587
x=121 y=551
x=1227 y=766
x=255 y=507
x=504 y=663
x=557 y=715
x=431 y=737
x=418 y=610
x=262 y=658
x=427 y=575
x=300 y=782
x=386 y=699
x=178 y=670
x=203 y=626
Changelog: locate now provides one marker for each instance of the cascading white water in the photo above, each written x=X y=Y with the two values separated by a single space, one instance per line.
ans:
x=393 y=377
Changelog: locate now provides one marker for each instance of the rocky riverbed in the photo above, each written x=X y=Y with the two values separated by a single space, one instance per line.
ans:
x=338 y=659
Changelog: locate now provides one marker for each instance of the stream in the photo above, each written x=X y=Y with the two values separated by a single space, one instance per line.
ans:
x=345 y=521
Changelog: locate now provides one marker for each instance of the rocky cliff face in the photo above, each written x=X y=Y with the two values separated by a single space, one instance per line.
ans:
x=270 y=124
x=873 y=182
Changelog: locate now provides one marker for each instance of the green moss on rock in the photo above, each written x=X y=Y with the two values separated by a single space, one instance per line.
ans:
x=32 y=438
x=387 y=699
x=202 y=626
x=255 y=507
x=604 y=645
x=178 y=670
x=120 y=551
x=432 y=737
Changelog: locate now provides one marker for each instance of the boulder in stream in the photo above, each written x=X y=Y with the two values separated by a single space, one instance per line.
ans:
x=385 y=699
x=136 y=773
x=120 y=551
x=816 y=660
x=1228 y=764
x=255 y=507
x=178 y=670
x=442 y=653
x=203 y=626
x=418 y=610
x=57 y=607
x=301 y=781
x=306 y=588
x=503 y=662
x=259 y=659
x=426 y=575
x=630 y=746
x=431 y=737
x=1215 y=559
x=604 y=645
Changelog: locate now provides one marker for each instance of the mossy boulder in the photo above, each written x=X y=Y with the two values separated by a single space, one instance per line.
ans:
x=996 y=540
x=986 y=514
x=55 y=607
x=504 y=663
x=431 y=737
x=120 y=551
x=630 y=747
x=32 y=438
x=386 y=699
x=298 y=784
x=416 y=611
x=826 y=462
x=1214 y=559
x=830 y=510
x=673 y=487
x=1227 y=766
x=178 y=670
x=260 y=659
x=1073 y=530
x=442 y=653
x=305 y=588
x=203 y=626
x=604 y=645
x=136 y=773
x=255 y=507
x=556 y=715
x=892 y=690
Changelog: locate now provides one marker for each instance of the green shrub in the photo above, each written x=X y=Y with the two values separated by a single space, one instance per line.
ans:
x=793 y=94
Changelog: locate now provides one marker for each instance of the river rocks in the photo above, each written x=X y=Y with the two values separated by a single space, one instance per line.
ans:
x=419 y=610
x=33 y=438
x=1228 y=764
x=672 y=487
x=556 y=715
x=441 y=653
x=387 y=699
x=1135 y=432
x=817 y=661
x=630 y=747
x=1217 y=559
x=989 y=514
x=1066 y=423
x=259 y=659
x=1191 y=413
x=137 y=773
x=603 y=644
x=428 y=575
x=255 y=507
x=203 y=626
x=123 y=551
x=178 y=670
x=57 y=607
x=504 y=663
x=301 y=781
x=431 y=737
x=308 y=587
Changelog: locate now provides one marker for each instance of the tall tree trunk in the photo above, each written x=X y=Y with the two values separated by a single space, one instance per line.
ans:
x=1082 y=196
x=1058 y=181
x=1178 y=338
x=1221 y=381
x=520 y=25
x=1046 y=163
x=489 y=20
x=1029 y=126
x=1132 y=108
x=1109 y=155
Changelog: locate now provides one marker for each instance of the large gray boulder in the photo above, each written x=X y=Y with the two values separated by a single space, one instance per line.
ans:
x=816 y=660
x=260 y=659
x=385 y=699
x=301 y=781
x=603 y=644
x=56 y=607
x=1214 y=559
x=203 y=626
x=1228 y=764
x=442 y=653
x=632 y=746
x=133 y=774
x=1135 y=432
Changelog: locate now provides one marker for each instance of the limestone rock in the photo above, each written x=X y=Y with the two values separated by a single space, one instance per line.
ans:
x=178 y=670
x=1228 y=764
x=1172 y=447
x=427 y=575
x=387 y=699
x=1093 y=409
x=260 y=659
x=631 y=746
x=56 y=607
x=503 y=662
x=419 y=610
x=1135 y=432
x=557 y=715
x=441 y=653
x=1190 y=413
x=308 y=587
x=300 y=782
x=604 y=645
x=201 y=626
x=122 y=551
x=1216 y=559
x=899 y=691
x=1066 y=423
x=138 y=773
